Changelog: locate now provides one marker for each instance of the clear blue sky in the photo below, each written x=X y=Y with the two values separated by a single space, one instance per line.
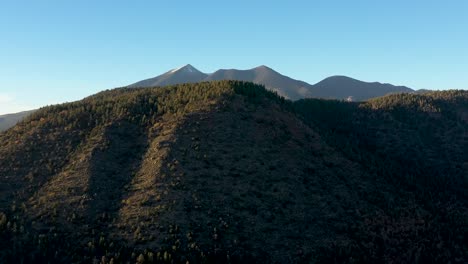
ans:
x=57 y=51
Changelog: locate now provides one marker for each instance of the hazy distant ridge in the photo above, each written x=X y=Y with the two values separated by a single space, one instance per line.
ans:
x=334 y=87
x=7 y=121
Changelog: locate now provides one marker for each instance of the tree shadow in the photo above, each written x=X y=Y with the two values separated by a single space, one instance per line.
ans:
x=112 y=167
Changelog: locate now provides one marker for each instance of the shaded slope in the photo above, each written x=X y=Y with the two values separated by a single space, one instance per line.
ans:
x=418 y=144
x=411 y=135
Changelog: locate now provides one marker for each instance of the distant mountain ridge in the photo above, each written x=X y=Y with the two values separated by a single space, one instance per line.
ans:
x=334 y=87
x=9 y=120
x=340 y=87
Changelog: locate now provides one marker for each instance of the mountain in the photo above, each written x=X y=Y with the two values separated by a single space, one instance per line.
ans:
x=283 y=85
x=228 y=172
x=335 y=87
x=342 y=87
x=9 y=120
x=185 y=74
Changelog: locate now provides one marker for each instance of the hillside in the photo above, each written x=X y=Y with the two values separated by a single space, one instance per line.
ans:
x=335 y=87
x=421 y=137
x=226 y=171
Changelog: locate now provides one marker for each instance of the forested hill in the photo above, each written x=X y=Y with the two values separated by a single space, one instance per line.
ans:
x=228 y=172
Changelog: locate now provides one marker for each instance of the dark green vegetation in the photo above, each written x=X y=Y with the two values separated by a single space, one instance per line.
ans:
x=229 y=172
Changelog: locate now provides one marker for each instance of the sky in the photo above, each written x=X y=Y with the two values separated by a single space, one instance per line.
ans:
x=60 y=51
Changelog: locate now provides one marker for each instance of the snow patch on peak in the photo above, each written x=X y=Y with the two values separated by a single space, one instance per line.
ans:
x=176 y=69
x=186 y=68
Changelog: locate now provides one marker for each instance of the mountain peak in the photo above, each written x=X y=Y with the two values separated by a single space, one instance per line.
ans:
x=186 y=68
x=184 y=74
x=263 y=67
x=339 y=78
